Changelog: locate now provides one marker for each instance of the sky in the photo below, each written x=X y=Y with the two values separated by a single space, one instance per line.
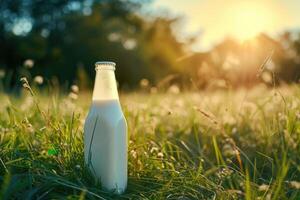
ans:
x=213 y=20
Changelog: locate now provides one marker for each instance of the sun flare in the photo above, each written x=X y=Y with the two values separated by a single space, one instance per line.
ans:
x=247 y=19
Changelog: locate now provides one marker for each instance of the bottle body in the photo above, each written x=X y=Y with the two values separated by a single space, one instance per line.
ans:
x=105 y=135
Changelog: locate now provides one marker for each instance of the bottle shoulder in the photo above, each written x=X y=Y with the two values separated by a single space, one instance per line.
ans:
x=107 y=112
x=105 y=107
x=105 y=122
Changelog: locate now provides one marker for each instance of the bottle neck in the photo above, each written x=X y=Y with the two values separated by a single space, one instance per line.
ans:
x=105 y=87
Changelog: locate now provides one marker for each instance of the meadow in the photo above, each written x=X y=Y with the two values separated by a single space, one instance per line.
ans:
x=226 y=144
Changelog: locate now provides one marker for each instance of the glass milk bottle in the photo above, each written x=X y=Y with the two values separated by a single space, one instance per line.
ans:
x=105 y=132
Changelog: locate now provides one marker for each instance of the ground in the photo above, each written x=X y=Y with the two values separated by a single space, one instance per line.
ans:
x=241 y=144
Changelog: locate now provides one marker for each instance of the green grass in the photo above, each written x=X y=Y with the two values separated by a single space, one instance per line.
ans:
x=206 y=145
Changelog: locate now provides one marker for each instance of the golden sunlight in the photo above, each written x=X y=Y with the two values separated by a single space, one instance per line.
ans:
x=246 y=19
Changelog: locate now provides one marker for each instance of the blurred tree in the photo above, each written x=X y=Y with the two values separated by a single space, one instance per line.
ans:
x=60 y=36
x=233 y=64
x=62 y=39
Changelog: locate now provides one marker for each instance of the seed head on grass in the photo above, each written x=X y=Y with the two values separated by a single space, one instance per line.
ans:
x=265 y=62
x=210 y=117
x=26 y=85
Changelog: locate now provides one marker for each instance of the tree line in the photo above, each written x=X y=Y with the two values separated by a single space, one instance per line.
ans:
x=60 y=40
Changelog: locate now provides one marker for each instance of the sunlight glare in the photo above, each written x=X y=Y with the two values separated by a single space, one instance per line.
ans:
x=247 y=19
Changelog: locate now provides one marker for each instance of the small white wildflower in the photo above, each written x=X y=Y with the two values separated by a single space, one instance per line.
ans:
x=153 y=149
x=160 y=155
x=29 y=63
x=29 y=126
x=174 y=89
x=295 y=185
x=4 y=130
x=75 y=88
x=130 y=44
x=224 y=172
x=114 y=37
x=146 y=154
x=263 y=187
x=2 y=73
x=43 y=128
x=228 y=150
x=144 y=83
x=234 y=130
x=39 y=80
x=133 y=153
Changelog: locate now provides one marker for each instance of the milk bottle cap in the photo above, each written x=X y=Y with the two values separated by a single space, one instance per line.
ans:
x=105 y=65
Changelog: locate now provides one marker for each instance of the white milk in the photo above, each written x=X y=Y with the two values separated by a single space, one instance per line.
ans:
x=105 y=132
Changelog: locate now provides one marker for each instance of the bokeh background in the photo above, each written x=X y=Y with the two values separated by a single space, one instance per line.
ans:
x=156 y=44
